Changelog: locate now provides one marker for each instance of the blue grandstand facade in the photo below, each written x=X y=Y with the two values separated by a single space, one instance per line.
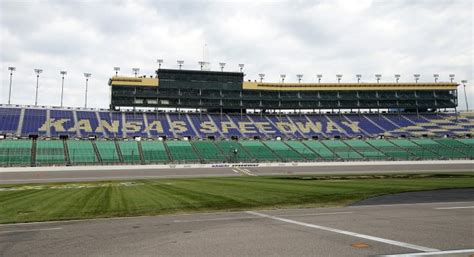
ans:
x=81 y=123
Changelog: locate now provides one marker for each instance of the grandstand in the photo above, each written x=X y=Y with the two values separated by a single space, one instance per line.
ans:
x=408 y=124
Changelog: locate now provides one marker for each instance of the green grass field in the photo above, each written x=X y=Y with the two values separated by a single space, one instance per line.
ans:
x=27 y=203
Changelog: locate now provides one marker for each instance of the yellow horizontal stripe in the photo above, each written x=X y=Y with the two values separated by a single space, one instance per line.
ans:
x=132 y=81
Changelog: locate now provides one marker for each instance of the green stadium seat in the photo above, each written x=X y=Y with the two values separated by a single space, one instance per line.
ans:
x=49 y=152
x=228 y=148
x=365 y=149
x=154 y=152
x=320 y=149
x=417 y=150
x=182 y=151
x=303 y=150
x=283 y=150
x=209 y=151
x=389 y=149
x=259 y=150
x=108 y=151
x=342 y=150
x=81 y=152
x=130 y=152
x=15 y=152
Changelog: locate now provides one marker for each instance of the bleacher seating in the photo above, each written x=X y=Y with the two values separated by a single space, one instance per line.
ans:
x=129 y=151
x=154 y=152
x=50 y=152
x=15 y=152
x=108 y=151
x=209 y=151
x=81 y=152
x=113 y=124
x=302 y=137
x=182 y=151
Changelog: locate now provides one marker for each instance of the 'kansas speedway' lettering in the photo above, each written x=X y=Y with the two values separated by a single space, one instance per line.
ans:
x=206 y=127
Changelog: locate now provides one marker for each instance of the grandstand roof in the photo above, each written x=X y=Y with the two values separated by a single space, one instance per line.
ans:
x=133 y=81
x=347 y=86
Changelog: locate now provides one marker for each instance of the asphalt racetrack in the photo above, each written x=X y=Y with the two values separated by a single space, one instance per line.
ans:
x=422 y=229
x=98 y=173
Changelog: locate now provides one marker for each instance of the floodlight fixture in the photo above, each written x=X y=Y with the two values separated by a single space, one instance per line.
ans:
x=202 y=63
x=358 y=76
x=222 y=65
x=299 y=76
x=397 y=77
x=38 y=72
x=451 y=77
x=262 y=76
x=11 y=69
x=283 y=76
x=417 y=77
x=136 y=71
x=319 y=77
x=241 y=66
x=87 y=76
x=436 y=76
x=464 y=82
x=63 y=73
x=180 y=63
x=116 y=69
x=159 y=61
x=339 y=77
x=378 y=76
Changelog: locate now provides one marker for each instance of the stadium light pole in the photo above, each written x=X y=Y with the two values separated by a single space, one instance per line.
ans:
x=87 y=75
x=339 y=77
x=136 y=71
x=299 y=76
x=63 y=73
x=378 y=76
x=282 y=76
x=436 y=76
x=262 y=76
x=451 y=77
x=201 y=64
x=38 y=72
x=417 y=77
x=222 y=64
x=241 y=66
x=397 y=77
x=116 y=69
x=159 y=61
x=180 y=63
x=319 y=77
x=11 y=69
x=358 y=76
x=464 y=82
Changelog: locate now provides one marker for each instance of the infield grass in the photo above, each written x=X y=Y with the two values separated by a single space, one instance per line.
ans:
x=64 y=201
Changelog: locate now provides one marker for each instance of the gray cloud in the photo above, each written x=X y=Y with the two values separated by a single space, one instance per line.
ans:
x=274 y=37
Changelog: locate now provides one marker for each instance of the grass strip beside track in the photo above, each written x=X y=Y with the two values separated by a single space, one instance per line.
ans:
x=65 y=201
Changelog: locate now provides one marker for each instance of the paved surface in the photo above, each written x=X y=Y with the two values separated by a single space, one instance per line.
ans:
x=352 y=231
x=142 y=172
x=442 y=195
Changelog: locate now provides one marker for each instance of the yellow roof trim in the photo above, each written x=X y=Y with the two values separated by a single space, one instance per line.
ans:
x=132 y=81
x=347 y=86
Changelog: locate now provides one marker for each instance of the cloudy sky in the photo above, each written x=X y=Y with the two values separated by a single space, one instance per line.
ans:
x=271 y=37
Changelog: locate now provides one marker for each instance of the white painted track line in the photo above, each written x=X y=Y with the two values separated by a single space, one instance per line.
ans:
x=453 y=208
x=431 y=253
x=255 y=217
x=373 y=238
x=29 y=230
